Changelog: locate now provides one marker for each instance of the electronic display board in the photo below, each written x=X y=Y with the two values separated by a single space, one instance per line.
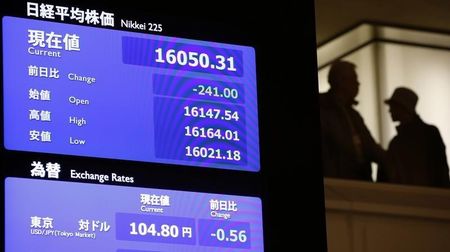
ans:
x=71 y=89
x=69 y=216
x=127 y=126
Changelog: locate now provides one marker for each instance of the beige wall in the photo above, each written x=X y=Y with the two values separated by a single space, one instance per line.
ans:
x=427 y=72
x=382 y=67
x=334 y=16
x=366 y=217
x=367 y=99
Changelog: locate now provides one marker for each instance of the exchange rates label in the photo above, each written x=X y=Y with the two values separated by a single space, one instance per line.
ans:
x=95 y=92
x=54 y=216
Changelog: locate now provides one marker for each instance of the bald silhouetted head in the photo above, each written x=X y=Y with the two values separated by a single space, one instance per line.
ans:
x=344 y=81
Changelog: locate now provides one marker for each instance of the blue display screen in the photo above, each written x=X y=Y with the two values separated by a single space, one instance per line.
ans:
x=85 y=91
x=56 y=216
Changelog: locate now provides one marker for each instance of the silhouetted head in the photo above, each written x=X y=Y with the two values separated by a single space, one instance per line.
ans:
x=344 y=81
x=402 y=104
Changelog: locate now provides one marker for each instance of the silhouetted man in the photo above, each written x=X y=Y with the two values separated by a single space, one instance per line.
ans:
x=416 y=155
x=348 y=148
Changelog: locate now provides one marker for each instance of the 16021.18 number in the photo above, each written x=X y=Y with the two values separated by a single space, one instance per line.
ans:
x=212 y=153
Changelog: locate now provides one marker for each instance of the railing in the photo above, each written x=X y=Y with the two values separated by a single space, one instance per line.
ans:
x=364 y=216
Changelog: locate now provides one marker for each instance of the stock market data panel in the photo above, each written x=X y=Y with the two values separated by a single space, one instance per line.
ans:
x=95 y=92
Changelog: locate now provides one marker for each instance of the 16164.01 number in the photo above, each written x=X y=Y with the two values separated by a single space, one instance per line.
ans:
x=211 y=133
